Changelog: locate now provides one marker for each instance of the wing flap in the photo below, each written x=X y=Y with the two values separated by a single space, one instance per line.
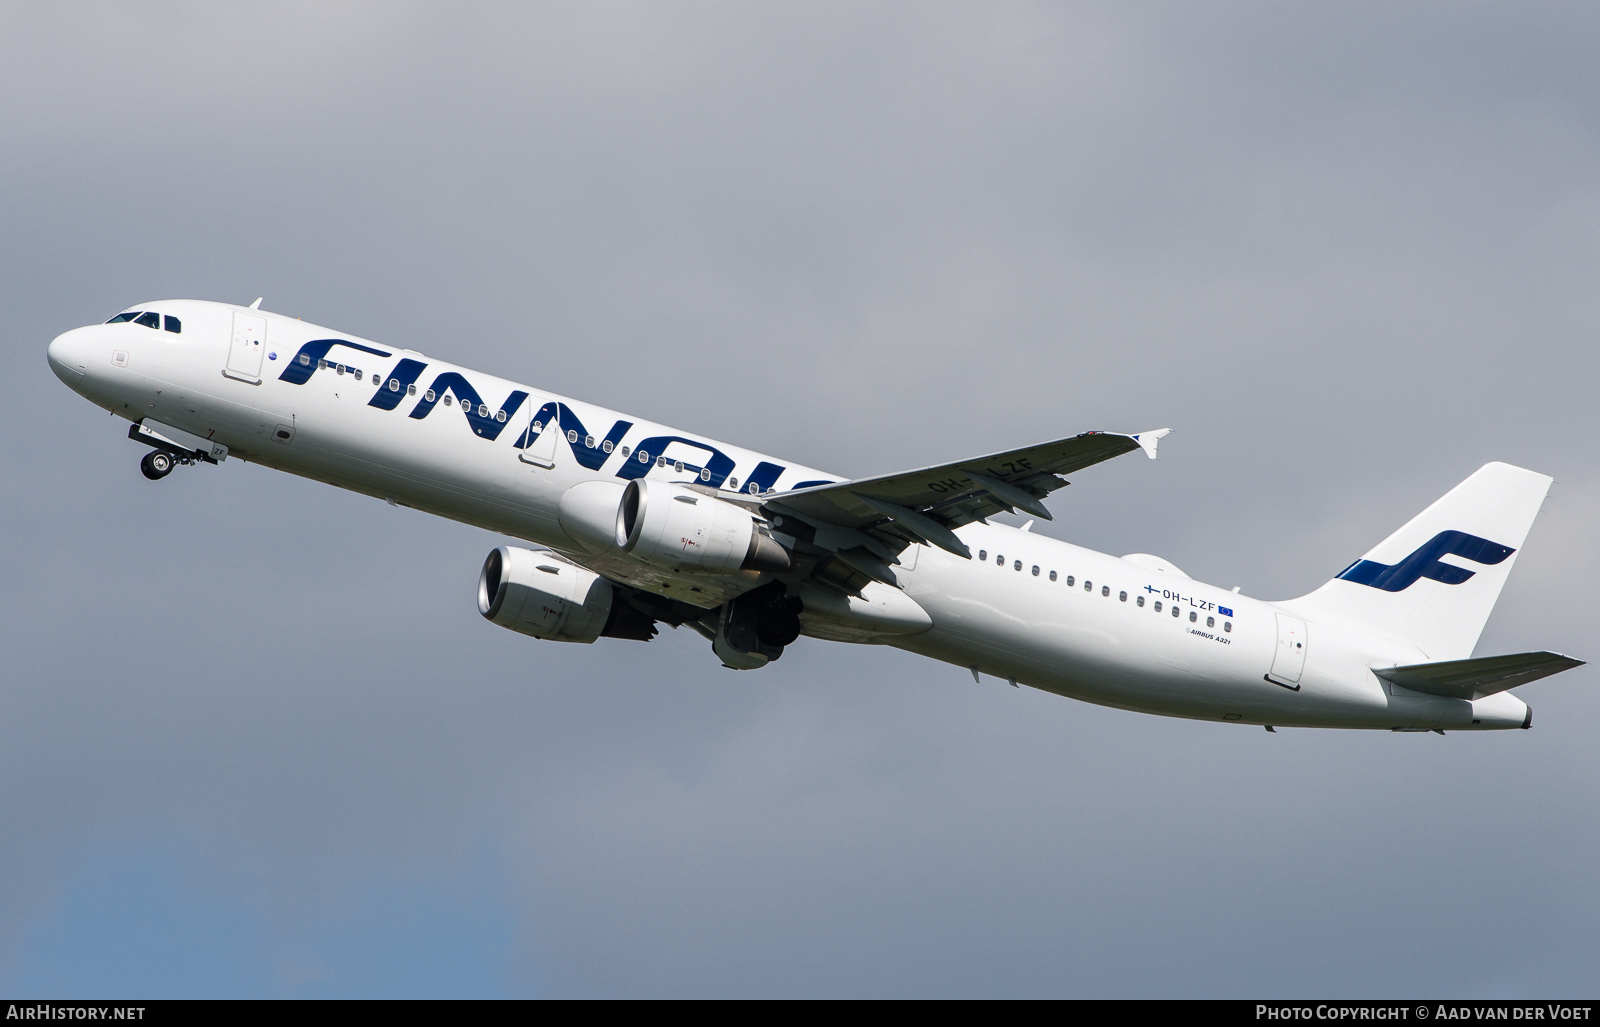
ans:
x=1474 y=679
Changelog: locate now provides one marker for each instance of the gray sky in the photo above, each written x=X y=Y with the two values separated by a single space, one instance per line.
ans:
x=255 y=739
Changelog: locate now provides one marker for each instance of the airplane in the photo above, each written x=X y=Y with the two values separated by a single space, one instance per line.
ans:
x=631 y=524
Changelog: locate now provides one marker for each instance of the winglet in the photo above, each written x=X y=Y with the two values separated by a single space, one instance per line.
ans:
x=1147 y=440
x=257 y=306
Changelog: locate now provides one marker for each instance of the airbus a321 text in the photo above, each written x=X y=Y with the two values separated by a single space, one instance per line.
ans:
x=631 y=524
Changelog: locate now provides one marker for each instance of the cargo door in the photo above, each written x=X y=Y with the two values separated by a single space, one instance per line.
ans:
x=1289 y=660
x=247 y=347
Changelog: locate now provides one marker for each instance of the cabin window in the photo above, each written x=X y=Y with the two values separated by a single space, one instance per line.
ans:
x=644 y=457
x=677 y=465
x=322 y=365
x=1052 y=575
x=1158 y=606
x=150 y=319
x=705 y=472
x=755 y=488
x=1193 y=616
x=411 y=390
x=1000 y=561
x=1175 y=611
x=338 y=369
x=1211 y=622
x=1036 y=570
x=358 y=374
x=1139 y=601
x=305 y=361
x=483 y=410
x=733 y=484
x=447 y=399
x=394 y=385
x=500 y=415
x=174 y=325
x=430 y=397
x=588 y=441
x=1105 y=590
x=1227 y=625
x=1017 y=565
x=1070 y=580
x=572 y=437
x=1122 y=597
x=608 y=445
x=1088 y=586
x=983 y=554
x=624 y=452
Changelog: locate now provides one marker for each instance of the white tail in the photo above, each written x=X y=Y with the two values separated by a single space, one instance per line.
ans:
x=1435 y=581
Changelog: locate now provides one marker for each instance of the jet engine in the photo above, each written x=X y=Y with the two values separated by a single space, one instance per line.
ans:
x=543 y=595
x=681 y=529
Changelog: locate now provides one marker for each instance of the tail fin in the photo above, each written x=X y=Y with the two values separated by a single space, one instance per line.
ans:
x=1435 y=580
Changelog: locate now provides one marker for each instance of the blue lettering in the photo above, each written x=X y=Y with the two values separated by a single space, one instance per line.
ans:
x=1424 y=563
x=404 y=374
x=560 y=417
x=719 y=463
x=484 y=421
x=304 y=363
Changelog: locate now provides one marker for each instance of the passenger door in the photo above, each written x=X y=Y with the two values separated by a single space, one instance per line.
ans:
x=246 y=349
x=1289 y=659
x=541 y=451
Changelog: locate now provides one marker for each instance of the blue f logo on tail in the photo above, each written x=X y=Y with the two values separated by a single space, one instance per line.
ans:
x=1424 y=563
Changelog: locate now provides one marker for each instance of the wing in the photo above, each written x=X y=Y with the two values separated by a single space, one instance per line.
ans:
x=882 y=515
x=1474 y=679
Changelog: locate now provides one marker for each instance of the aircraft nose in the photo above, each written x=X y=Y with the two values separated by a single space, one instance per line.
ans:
x=68 y=355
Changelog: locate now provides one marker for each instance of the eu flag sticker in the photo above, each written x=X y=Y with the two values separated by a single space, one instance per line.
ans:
x=1225 y=611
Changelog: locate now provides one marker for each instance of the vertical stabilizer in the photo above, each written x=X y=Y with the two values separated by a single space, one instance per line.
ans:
x=1434 y=582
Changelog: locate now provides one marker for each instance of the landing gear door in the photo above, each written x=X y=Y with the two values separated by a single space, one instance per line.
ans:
x=1289 y=659
x=542 y=436
x=246 y=349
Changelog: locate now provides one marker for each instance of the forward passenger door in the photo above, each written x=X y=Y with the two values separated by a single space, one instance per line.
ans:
x=247 y=347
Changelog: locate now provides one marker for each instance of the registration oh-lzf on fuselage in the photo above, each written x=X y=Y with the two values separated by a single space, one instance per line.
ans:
x=632 y=524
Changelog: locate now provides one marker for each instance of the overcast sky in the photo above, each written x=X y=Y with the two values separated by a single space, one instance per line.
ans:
x=256 y=740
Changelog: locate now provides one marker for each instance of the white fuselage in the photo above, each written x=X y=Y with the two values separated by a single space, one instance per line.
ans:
x=1071 y=621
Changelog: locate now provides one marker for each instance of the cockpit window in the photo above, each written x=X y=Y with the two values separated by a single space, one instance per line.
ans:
x=150 y=319
x=174 y=325
x=129 y=316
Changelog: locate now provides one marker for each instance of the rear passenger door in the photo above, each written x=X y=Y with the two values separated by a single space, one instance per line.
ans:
x=1289 y=659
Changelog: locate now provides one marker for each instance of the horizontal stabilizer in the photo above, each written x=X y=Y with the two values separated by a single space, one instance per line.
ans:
x=1474 y=679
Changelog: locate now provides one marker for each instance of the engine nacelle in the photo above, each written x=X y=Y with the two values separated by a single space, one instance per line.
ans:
x=543 y=595
x=683 y=530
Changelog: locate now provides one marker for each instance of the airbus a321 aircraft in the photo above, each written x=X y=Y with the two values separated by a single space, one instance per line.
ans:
x=633 y=524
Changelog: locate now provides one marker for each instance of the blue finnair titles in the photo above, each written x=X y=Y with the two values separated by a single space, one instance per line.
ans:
x=1424 y=562
x=628 y=524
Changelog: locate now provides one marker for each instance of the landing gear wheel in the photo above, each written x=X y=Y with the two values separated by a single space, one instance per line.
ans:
x=781 y=624
x=156 y=465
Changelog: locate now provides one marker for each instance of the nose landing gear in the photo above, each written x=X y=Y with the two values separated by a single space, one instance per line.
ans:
x=171 y=447
x=157 y=464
